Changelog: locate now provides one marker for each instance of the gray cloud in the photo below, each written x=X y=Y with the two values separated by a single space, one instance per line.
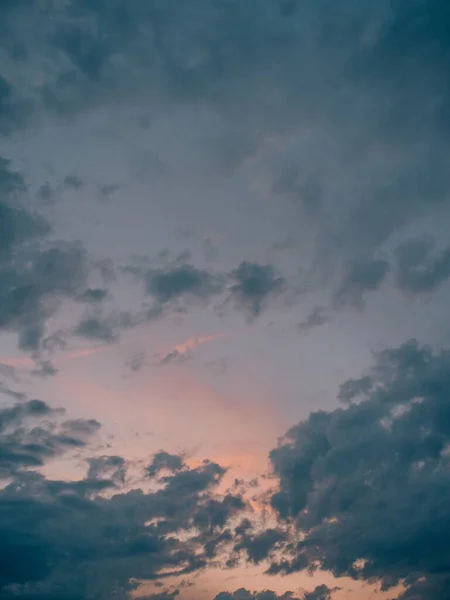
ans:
x=72 y=182
x=356 y=103
x=316 y=318
x=94 y=295
x=164 y=461
x=25 y=443
x=107 y=467
x=96 y=328
x=255 y=283
x=358 y=278
x=259 y=546
x=371 y=153
x=321 y=592
x=419 y=269
x=249 y=286
x=175 y=357
x=35 y=273
x=182 y=280
x=66 y=539
x=368 y=484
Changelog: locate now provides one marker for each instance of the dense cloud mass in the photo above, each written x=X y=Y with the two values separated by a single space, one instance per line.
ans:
x=370 y=155
x=68 y=540
x=368 y=484
x=288 y=153
x=35 y=272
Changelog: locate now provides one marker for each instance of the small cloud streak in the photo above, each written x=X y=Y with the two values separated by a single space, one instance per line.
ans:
x=25 y=362
x=181 y=351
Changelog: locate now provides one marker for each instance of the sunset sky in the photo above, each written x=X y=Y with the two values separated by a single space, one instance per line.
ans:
x=224 y=299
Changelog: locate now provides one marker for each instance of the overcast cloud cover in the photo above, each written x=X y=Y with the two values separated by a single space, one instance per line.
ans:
x=224 y=291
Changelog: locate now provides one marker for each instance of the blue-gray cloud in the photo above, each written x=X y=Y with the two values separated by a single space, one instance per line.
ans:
x=368 y=484
x=254 y=284
x=65 y=540
x=420 y=269
x=320 y=592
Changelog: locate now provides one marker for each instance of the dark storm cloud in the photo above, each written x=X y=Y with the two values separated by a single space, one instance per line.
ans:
x=421 y=269
x=254 y=284
x=368 y=485
x=66 y=539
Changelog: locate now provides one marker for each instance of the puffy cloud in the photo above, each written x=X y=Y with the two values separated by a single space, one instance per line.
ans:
x=93 y=537
x=164 y=461
x=258 y=546
x=321 y=592
x=367 y=486
x=25 y=443
x=249 y=287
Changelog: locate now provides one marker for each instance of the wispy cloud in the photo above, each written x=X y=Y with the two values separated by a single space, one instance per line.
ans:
x=182 y=351
x=25 y=362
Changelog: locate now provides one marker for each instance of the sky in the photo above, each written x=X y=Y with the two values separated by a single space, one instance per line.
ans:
x=224 y=291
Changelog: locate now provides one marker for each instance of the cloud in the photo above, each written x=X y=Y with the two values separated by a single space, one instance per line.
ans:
x=107 y=467
x=316 y=318
x=46 y=367
x=367 y=486
x=24 y=444
x=96 y=329
x=358 y=278
x=36 y=274
x=418 y=269
x=259 y=546
x=348 y=151
x=255 y=283
x=165 y=461
x=182 y=351
x=95 y=537
x=72 y=182
x=182 y=280
x=94 y=295
x=321 y=592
